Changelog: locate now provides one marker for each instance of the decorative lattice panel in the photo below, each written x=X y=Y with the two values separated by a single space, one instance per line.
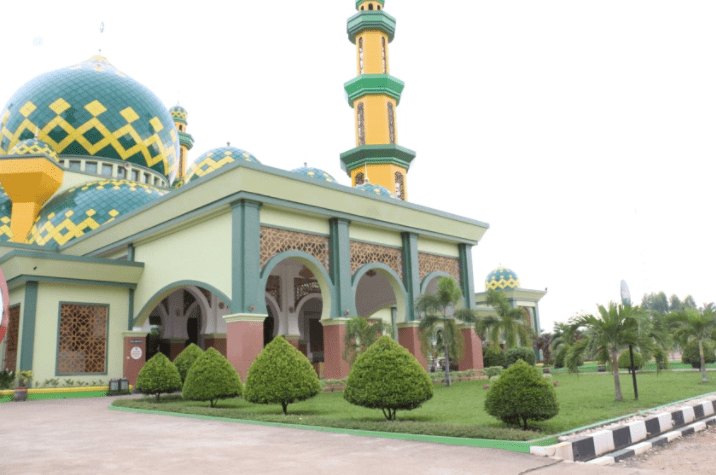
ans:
x=428 y=263
x=365 y=253
x=13 y=331
x=82 y=339
x=274 y=241
x=207 y=295
x=303 y=287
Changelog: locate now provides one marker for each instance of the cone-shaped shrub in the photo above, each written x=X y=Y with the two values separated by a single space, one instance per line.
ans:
x=211 y=378
x=521 y=393
x=280 y=374
x=158 y=375
x=389 y=378
x=186 y=358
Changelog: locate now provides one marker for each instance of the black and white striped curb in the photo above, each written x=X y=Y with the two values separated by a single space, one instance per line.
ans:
x=603 y=442
x=644 y=446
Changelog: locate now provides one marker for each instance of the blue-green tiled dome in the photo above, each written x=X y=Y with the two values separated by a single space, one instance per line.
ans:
x=314 y=173
x=215 y=159
x=86 y=207
x=375 y=189
x=502 y=278
x=92 y=108
x=5 y=215
x=179 y=114
x=33 y=147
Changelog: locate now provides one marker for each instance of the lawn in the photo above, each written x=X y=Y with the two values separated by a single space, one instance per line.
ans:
x=459 y=411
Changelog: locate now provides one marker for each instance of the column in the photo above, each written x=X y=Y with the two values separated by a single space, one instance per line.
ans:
x=340 y=268
x=245 y=340
x=29 y=311
x=411 y=276
x=473 y=349
x=334 y=333
x=246 y=293
x=467 y=284
x=135 y=354
x=216 y=341
x=409 y=337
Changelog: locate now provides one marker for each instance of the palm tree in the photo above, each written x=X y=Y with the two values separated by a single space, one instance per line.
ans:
x=696 y=325
x=605 y=334
x=510 y=323
x=438 y=314
x=360 y=334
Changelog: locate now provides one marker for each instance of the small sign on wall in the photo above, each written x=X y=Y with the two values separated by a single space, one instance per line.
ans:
x=136 y=353
x=135 y=341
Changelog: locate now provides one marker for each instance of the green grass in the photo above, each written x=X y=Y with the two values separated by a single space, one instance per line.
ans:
x=594 y=367
x=459 y=411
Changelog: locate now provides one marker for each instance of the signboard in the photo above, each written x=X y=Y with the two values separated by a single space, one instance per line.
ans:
x=135 y=341
x=4 y=306
x=136 y=353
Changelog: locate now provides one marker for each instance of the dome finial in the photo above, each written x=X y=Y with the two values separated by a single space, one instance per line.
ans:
x=228 y=144
x=305 y=164
x=101 y=30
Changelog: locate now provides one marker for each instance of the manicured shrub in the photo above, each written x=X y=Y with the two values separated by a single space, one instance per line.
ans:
x=562 y=355
x=6 y=379
x=493 y=356
x=493 y=371
x=158 y=375
x=389 y=378
x=281 y=374
x=186 y=358
x=624 y=360
x=211 y=378
x=521 y=394
x=523 y=353
x=690 y=355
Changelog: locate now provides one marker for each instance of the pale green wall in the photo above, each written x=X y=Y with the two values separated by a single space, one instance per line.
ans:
x=201 y=253
x=383 y=314
x=49 y=297
x=433 y=246
x=293 y=220
x=375 y=235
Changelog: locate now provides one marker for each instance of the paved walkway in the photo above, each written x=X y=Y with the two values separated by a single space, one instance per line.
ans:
x=82 y=436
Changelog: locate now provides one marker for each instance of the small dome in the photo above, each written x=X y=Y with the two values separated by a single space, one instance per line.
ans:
x=86 y=207
x=33 y=147
x=5 y=215
x=178 y=113
x=502 y=278
x=377 y=189
x=215 y=159
x=314 y=173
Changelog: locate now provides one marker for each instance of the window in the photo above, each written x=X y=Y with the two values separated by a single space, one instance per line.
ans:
x=378 y=7
x=75 y=165
x=91 y=167
x=370 y=6
x=360 y=53
x=391 y=122
x=385 y=64
x=135 y=175
x=121 y=172
x=399 y=186
x=106 y=170
x=82 y=339
x=360 y=179
x=146 y=178
x=361 y=125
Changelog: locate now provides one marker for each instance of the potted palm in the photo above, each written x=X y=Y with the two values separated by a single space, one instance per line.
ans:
x=24 y=378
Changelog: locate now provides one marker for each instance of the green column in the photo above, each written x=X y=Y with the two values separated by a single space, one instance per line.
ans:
x=340 y=260
x=245 y=258
x=29 y=312
x=467 y=283
x=130 y=323
x=411 y=276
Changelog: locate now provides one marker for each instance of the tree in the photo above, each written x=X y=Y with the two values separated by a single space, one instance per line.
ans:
x=689 y=302
x=696 y=325
x=281 y=374
x=360 y=334
x=186 y=358
x=606 y=332
x=675 y=304
x=520 y=394
x=511 y=323
x=211 y=378
x=439 y=313
x=389 y=378
x=655 y=302
x=543 y=343
x=158 y=375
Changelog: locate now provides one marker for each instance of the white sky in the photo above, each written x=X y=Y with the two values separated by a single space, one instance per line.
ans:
x=582 y=132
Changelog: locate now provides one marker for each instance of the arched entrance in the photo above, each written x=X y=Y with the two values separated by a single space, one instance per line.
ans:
x=379 y=294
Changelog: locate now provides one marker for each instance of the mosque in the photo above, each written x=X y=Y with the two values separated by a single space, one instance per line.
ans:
x=99 y=197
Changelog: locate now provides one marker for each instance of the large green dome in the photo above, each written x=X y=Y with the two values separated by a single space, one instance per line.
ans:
x=92 y=108
x=86 y=207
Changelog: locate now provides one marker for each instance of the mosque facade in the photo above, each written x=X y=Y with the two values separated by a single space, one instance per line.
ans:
x=100 y=196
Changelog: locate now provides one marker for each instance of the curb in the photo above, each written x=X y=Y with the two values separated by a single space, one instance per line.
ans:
x=639 y=449
x=603 y=442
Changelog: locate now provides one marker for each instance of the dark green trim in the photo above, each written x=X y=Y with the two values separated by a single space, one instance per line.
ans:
x=295 y=230
x=130 y=252
x=246 y=291
x=29 y=315
x=130 y=312
x=378 y=154
x=52 y=256
x=340 y=265
x=371 y=20
x=431 y=276
x=373 y=84
x=411 y=276
x=467 y=283
x=20 y=279
x=106 y=338
x=186 y=140
x=167 y=289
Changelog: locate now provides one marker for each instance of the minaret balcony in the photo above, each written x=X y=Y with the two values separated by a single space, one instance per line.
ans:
x=374 y=84
x=186 y=140
x=376 y=154
x=371 y=20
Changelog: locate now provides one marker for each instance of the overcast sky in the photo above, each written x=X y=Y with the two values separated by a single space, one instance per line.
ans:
x=582 y=132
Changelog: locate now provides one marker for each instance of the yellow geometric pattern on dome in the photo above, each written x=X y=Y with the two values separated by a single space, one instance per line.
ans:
x=5 y=227
x=23 y=148
x=178 y=114
x=493 y=283
x=109 y=137
x=209 y=164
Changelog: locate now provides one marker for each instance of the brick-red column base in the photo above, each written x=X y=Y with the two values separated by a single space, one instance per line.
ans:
x=473 y=350
x=131 y=366
x=244 y=341
x=334 y=333
x=409 y=337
